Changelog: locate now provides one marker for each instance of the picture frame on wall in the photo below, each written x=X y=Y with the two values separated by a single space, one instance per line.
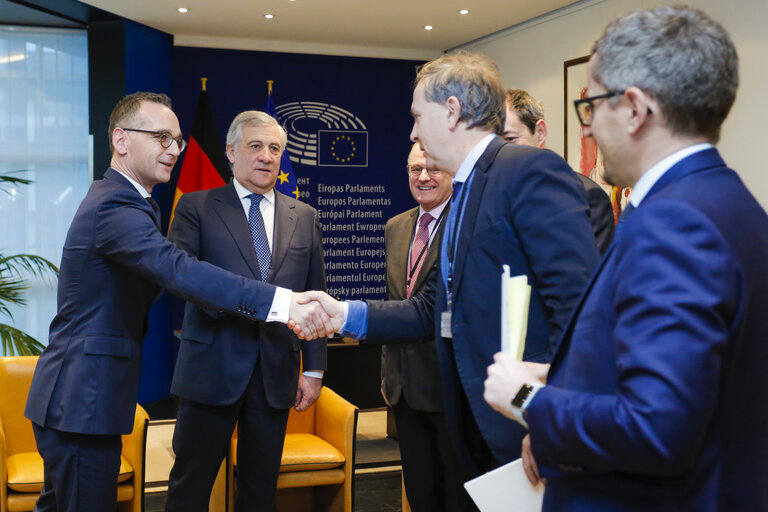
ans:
x=581 y=153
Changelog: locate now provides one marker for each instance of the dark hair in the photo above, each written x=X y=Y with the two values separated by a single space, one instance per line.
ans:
x=526 y=107
x=126 y=110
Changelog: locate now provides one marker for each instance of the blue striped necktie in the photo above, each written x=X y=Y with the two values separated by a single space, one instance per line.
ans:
x=259 y=235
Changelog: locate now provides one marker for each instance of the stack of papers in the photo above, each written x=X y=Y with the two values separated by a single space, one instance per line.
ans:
x=515 y=299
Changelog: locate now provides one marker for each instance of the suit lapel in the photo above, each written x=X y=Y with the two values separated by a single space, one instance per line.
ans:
x=228 y=207
x=434 y=249
x=471 y=208
x=285 y=225
x=398 y=258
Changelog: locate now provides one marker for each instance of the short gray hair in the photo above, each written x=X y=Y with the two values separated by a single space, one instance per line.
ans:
x=474 y=79
x=678 y=55
x=253 y=118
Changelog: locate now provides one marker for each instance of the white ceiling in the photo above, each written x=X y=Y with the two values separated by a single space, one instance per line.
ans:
x=392 y=28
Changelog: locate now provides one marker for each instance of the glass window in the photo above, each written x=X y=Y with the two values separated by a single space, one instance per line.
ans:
x=43 y=130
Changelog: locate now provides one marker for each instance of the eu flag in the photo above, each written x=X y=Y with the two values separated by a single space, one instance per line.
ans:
x=286 y=180
x=342 y=148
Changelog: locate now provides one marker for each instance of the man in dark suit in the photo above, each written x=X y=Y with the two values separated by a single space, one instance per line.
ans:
x=229 y=370
x=657 y=396
x=514 y=205
x=525 y=125
x=114 y=264
x=410 y=375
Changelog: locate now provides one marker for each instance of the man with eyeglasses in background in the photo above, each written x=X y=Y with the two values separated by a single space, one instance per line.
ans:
x=410 y=375
x=657 y=395
x=230 y=371
x=114 y=264
x=525 y=125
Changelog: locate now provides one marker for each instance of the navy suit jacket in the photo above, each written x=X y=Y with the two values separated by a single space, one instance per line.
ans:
x=410 y=369
x=219 y=350
x=600 y=212
x=526 y=209
x=657 y=394
x=114 y=264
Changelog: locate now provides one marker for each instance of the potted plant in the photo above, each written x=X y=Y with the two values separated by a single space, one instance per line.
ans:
x=13 y=270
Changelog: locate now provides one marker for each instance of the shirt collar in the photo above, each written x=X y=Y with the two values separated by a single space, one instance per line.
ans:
x=436 y=211
x=242 y=192
x=652 y=175
x=135 y=183
x=469 y=163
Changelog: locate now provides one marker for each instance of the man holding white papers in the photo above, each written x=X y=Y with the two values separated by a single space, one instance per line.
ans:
x=513 y=205
x=657 y=398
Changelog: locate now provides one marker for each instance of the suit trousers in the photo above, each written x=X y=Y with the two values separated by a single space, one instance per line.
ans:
x=430 y=468
x=80 y=471
x=201 y=440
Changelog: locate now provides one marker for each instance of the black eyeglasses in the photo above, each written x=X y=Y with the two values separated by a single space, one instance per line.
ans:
x=585 y=109
x=165 y=138
x=415 y=170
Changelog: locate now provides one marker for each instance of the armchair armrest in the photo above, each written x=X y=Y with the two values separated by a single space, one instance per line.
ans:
x=134 y=446
x=3 y=468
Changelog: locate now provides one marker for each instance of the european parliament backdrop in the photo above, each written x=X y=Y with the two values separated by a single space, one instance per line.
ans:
x=348 y=122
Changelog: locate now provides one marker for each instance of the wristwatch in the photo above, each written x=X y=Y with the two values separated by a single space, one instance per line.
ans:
x=522 y=399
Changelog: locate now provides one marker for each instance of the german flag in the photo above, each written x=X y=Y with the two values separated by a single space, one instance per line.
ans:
x=205 y=165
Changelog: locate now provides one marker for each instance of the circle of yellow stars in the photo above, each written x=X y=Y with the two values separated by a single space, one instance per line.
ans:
x=341 y=139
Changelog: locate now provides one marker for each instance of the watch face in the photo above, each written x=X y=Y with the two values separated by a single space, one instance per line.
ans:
x=521 y=395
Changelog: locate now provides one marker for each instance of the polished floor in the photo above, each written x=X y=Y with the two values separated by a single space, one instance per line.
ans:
x=377 y=463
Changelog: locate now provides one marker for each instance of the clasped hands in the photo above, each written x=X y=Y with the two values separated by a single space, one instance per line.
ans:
x=315 y=314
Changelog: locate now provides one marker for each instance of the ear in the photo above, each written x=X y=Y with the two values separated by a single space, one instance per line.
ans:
x=453 y=106
x=639 y=103
x=120 y=141
x=540 y=132
x=231 y=153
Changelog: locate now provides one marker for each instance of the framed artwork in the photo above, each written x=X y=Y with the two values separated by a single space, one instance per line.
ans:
x=581 y=152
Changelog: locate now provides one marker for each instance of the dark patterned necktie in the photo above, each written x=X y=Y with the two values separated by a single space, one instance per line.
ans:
x=155 y=208
x=417 y=256
x=259 y=235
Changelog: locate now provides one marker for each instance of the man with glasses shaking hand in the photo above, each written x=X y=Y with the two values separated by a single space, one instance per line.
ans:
x=114 y=264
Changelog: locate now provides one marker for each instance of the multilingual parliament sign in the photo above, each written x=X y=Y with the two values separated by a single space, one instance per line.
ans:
x=348 y=122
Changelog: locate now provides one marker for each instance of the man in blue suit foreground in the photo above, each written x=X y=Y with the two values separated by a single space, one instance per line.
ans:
x=514 y=205
x=114 y=264
x=656 y=397
x=230 y=370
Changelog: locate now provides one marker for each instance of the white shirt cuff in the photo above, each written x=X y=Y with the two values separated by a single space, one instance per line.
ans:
x=318 y=374
x=280 y=310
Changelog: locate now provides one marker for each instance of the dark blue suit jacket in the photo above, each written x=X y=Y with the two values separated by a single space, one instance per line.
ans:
x=657 y=395
x=526 y=209
x=115 y=262
x=219 y=349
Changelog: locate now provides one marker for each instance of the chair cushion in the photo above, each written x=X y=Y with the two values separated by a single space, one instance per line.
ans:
x=305 y=452
x=25 y=472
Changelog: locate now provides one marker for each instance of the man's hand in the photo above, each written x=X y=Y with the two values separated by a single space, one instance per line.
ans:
x=308 y=317
x=332 y=317
x=529 y=463
x=307 y=392
x=505 y=378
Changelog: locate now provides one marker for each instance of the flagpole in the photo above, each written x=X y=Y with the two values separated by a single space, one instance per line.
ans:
x=269 y=87
x=204 y=80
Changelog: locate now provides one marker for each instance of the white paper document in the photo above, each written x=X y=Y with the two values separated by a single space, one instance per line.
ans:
x=506 y=489
x=515 y=300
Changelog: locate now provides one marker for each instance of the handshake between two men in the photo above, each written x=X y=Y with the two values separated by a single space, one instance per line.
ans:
x=315 y=314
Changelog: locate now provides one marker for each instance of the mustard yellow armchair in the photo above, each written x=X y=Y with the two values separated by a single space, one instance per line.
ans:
x=21 y=467
x=317 y=468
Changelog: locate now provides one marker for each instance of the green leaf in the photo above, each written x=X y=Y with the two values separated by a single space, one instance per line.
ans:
x=18 y=264
x=17 y=343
